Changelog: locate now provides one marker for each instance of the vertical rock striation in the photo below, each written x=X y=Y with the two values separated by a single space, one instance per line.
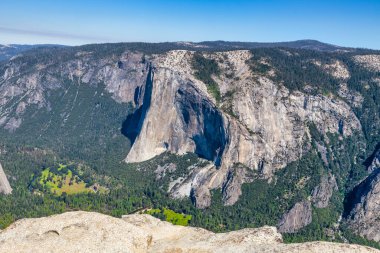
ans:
x=5 y=187
x=296 y=218
x=364 y=204
x=258 y=123
x=323 y=192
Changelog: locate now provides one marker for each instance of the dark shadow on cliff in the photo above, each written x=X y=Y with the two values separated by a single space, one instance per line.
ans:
x=210 y=145
x=211 y=140
x=132 y=125
x=354 y=197
x=369 y=160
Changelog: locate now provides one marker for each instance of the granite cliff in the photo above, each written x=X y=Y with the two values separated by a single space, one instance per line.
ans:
x=364 y=203
x=5 y=187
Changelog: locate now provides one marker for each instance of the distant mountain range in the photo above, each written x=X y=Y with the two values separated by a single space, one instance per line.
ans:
x=299 y=44
x=8 y=51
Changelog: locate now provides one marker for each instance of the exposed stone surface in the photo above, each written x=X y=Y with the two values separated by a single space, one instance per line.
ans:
x=258 y=124
x=93 y=232
x=5 y=187
x=296 y=218
x=201 y=196
x=162 y=170
x=322 y=150
x=375 y=164
x=183 y=113
x=353 y=97
x=364 y=216
x=261 y=125
x=337 y=69
x=73 y=232
x=196 y=177
x=323 y=192
x=232 y=186
x=371 y=62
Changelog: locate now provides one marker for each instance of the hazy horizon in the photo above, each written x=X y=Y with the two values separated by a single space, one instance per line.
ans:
x=44 y=44
x=343 y=23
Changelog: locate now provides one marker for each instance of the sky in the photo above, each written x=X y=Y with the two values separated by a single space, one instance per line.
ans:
x=76 y=22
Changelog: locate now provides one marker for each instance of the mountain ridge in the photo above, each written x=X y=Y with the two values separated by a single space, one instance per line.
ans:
x=9 y=50
x=267 y=136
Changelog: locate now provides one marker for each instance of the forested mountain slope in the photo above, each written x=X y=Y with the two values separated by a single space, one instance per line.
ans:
x=8 y=51
x=235 y=134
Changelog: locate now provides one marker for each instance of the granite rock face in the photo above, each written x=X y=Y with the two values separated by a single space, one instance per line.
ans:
x=93 y=232
x=258 y=124
x=73 y=232
x=365 y=204
x=322 y=193
x=299 y=216
x=375 y=164
x=201 y=196
x=235 y=178
x=371 y=62
x=5 y=187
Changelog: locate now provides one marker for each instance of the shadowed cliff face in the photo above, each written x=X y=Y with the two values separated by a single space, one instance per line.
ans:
x=132 y=125
x=362 y=205
x=199 y=113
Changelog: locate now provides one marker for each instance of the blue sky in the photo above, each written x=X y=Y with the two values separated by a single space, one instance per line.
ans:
x=75 y=22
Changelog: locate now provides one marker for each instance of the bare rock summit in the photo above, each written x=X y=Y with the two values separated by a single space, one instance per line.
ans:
x=94 y=232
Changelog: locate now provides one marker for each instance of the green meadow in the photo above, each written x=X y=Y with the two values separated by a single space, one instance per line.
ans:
x=62 y=179
x=171 y=216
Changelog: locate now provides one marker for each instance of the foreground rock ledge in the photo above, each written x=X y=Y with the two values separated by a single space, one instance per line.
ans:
x=94 y=232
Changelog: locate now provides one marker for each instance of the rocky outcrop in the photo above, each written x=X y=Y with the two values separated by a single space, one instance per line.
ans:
x=299 y=216
x=73 y=232
x=162 y=170
x=201 y=196
x=371 y=61
x=322 y=193
x=93 y=232
x=231 y=189
x=5 y=187
x=375 y=164
x=363 y=203
x=337 y=69
x=354 y=98
x=365 y=207
x=196 y=185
